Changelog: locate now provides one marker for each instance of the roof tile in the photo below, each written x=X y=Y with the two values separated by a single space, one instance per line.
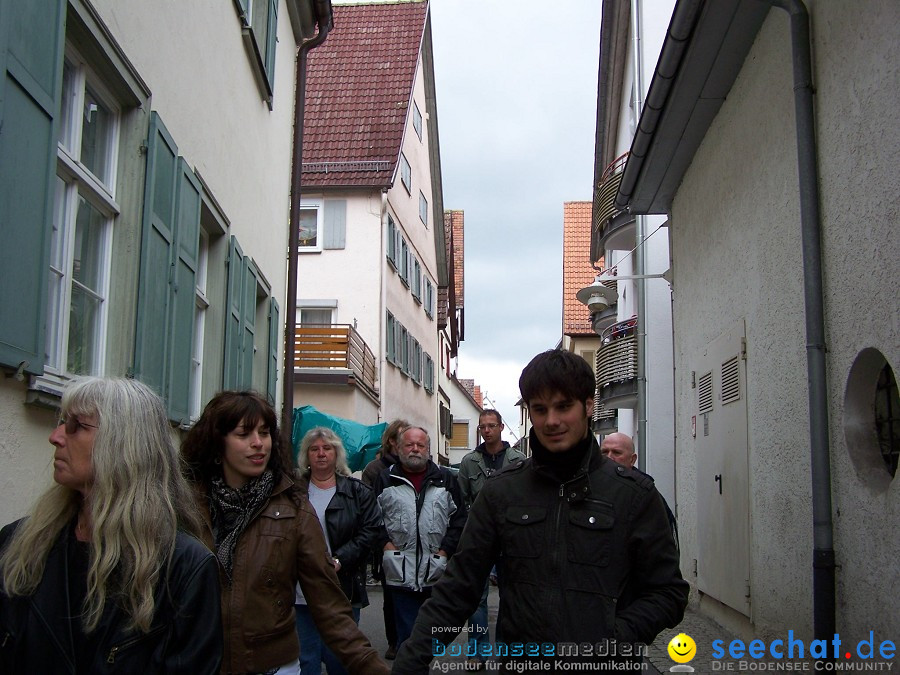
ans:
x=577 y=269
x=358 y=87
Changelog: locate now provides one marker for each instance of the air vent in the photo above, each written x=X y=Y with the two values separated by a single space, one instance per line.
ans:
x=731 y=381
x=704 y=394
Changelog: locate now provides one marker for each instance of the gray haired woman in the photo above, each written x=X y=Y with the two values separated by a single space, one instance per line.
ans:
x=105 y=575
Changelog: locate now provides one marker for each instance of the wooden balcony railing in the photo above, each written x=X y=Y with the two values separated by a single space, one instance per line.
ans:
x=334 y=346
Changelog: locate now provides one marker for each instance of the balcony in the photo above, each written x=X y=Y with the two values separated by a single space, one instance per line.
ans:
x=617 y=366
x=333 y=354
x=604 y=420
x=603 y=319
x=613 y=228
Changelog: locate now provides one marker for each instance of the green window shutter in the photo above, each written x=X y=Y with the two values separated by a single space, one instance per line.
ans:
x=248 y=322
x=335 y=223
x=271 y=35
x=233 y=329
x=274 y=337
x=31 y=57
x=183 y=298
x=389 y=338
x=157 y=240
x=243 y=8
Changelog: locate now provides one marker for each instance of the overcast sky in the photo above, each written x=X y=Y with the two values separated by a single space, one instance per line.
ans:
x=517 y=98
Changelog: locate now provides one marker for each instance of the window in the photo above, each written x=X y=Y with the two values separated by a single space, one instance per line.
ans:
x=405 y=173
x=202 y=303
x=423 y=208
x=82 y=225
x=392 y=242
x=429 y=298
x=391 y=328
x=404 y=350
x=310 y=228
x=259 y=19
x=404 y=262
x=315 y=316
x=428 y=376
x=416 y=281
x=417 y=120
x=415 y=368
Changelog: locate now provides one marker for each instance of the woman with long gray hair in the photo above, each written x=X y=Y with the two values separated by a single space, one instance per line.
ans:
x=103 y=575
x=351 y=520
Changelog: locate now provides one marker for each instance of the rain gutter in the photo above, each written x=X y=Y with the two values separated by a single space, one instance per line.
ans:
x=326 y=22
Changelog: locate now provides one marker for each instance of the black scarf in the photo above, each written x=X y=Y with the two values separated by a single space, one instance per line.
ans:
x=560 y=465
x=232 y=510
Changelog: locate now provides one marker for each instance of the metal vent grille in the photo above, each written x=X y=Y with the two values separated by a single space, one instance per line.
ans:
x=704 y=394
x=731 y=381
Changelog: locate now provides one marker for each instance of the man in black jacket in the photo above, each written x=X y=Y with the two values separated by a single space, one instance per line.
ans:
x=590 y=569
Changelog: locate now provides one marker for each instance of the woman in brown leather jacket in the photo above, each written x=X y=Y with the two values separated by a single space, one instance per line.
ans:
x=266 y=538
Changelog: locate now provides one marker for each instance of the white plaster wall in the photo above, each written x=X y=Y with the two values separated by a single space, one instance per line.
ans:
x=26 y=456
x=192 y=58
x=351 y=275
x=736 y=239
x=334 y=400
x=400 y=395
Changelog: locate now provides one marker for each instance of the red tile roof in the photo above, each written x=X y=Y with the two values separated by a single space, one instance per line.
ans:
x=458 y=225
x=358 y=87
x=577 y=270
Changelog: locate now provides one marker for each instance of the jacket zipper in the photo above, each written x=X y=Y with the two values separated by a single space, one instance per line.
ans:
x=6 y=637
x=111 y=658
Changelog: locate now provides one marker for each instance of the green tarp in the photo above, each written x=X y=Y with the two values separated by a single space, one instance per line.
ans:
x=360 y=440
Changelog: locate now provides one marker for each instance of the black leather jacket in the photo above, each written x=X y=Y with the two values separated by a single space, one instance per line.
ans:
x=353 y=522
x=185 y=636
x=586 y=560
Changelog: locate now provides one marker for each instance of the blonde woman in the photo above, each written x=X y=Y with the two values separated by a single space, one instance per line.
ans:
x=351 y=520
x=103 y=575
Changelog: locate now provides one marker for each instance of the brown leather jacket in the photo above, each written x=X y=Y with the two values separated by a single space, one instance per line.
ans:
x=281 y=546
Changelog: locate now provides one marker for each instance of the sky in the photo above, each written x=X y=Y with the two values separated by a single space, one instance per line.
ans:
x=516 y=85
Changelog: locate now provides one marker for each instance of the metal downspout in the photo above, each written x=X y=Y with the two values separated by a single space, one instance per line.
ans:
x=640 y=266
x=811 y=227
x=290 y=310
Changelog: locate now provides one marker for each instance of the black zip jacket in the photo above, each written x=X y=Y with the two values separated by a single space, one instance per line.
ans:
x=353 y=522
x=585 y=561
x=185 y=636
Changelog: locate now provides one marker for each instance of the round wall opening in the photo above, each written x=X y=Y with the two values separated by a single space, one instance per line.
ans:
x=872 y=418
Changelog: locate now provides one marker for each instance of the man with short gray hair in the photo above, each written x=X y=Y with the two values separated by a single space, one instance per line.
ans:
x=423 y=519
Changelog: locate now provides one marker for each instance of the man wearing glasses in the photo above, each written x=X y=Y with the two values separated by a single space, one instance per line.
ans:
x=423 y=518
x=476 y=467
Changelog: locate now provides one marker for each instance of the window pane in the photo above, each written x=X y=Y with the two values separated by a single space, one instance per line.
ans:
x=87 y=251
x=95 y=136
x=83 y=316
x=57 y=287
x=308 y=227
x=66 y=105
x=312 y=316
x=259 y=22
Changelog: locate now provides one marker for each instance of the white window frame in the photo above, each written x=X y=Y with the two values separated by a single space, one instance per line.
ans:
x=202 y=305
x=99 y=192
x=417 y=120
x=317 y=206
x=423 y=208
x=405 y=173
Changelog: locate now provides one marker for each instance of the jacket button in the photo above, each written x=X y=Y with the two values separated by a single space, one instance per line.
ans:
x=592 y=520
x=278 y=513
x=572 y=496
x=280 y=603
x=524 y=516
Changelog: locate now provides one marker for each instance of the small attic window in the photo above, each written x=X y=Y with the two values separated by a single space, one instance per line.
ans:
x=417 y=120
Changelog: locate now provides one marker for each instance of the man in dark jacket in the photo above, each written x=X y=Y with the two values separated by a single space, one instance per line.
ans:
x=423 y=518
x=590 y=570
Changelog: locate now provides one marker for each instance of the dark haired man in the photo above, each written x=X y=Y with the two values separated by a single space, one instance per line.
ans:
x=475 y=468
x=589 y=564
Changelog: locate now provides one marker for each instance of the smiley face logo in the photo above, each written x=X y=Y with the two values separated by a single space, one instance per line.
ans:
x=682 y=648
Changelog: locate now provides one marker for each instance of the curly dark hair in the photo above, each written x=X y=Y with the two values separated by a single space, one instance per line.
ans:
x=205 y=442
